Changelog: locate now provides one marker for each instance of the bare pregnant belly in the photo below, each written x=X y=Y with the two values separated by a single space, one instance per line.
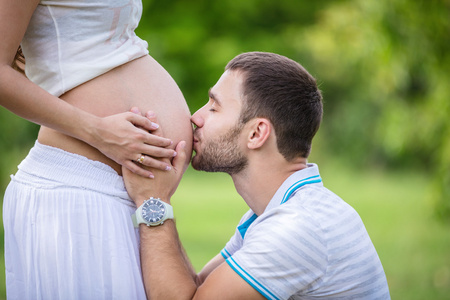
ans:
x=142 y=83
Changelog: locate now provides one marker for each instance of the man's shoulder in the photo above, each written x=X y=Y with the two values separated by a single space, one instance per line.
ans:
x=313 y=210
x=319 y=201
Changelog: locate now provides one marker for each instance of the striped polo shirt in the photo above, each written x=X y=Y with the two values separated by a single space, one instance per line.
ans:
x=308 y=244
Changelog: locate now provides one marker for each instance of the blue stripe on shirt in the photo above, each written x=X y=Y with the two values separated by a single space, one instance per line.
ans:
x=225 y=253
x=313 y=179
x=250 y=280
x=299 y=184
x=244 y=226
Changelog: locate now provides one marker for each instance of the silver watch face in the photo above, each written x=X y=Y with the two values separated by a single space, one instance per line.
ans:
x=153 y=211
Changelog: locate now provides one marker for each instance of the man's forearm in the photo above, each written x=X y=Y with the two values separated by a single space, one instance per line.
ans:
x=166 y=269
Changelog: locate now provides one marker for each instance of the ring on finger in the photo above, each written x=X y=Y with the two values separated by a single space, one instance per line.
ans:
x=141 y=159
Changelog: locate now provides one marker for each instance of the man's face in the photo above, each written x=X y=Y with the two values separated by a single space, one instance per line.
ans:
x=218 y=133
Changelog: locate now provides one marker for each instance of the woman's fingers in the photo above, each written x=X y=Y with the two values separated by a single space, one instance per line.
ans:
x=153 y=152
x=156 y=137
x=155 y=145
x=151 y=116
x=151 y=162
x=157 y=152
x=152 y=139
x=141 y=122
x=139 y=170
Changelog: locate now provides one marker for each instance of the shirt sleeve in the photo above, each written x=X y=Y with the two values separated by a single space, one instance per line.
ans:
x=281 y=256
x=235 y=243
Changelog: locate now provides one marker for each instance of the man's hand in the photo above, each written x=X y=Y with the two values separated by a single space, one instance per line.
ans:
x=164 y=183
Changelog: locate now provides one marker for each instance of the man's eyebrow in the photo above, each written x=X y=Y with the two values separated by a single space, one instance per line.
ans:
x=213 y=97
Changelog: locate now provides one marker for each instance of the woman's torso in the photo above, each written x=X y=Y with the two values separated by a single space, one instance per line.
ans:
x=86 y=53
x=142 y=83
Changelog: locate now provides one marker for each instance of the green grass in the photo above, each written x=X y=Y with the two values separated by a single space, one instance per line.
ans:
x=413 y=246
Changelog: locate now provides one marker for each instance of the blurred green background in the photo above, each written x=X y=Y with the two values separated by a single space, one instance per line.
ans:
x=384 y=145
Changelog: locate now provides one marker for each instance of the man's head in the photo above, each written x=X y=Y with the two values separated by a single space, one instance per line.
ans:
x=257 y=85
x=281 y=90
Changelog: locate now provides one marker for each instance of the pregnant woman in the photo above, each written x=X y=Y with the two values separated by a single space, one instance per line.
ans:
x=66 y=213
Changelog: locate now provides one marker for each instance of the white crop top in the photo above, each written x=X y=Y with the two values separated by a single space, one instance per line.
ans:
x=69 y=42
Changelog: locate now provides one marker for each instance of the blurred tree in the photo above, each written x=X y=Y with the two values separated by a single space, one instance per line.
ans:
x=194 y=40
x=383 y=67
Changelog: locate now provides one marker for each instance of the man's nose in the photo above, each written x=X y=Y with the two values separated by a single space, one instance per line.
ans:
x=196 y=119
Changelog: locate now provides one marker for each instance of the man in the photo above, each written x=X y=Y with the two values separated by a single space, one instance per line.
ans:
x=298 y=240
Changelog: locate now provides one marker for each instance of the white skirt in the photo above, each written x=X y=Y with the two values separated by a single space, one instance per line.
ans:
x=68 y=230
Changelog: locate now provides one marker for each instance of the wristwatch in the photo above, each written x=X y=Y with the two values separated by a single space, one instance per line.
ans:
x=152 y=212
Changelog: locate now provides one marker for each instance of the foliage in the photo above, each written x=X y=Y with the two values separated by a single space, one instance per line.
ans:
x=388 y=80
x=16 y=138
x=382 y=65
x=194 y=40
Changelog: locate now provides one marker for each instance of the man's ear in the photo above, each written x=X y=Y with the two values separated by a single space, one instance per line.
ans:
x=260 y=130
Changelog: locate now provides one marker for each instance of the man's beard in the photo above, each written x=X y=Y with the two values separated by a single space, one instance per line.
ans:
x=222 y=154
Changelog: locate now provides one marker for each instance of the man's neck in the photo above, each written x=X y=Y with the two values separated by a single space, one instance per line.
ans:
x=258 y=183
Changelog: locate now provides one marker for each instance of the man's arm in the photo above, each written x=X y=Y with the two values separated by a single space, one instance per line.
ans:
x=161 y=250
x=167 y=272
x=168 y=275
x=209 y=267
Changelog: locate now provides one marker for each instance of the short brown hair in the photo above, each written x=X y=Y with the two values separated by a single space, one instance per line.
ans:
x=281 y=90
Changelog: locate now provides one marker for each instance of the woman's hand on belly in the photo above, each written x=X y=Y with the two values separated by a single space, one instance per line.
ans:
x=164 y=184
x=124 y=138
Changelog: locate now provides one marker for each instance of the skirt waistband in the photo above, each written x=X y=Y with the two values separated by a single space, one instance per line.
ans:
x=69 y=169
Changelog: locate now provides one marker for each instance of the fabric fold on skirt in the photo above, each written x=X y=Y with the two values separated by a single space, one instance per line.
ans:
x=68 y=230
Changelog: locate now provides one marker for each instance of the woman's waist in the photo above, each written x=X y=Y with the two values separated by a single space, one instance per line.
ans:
x=50 y=167
x=55 y=139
